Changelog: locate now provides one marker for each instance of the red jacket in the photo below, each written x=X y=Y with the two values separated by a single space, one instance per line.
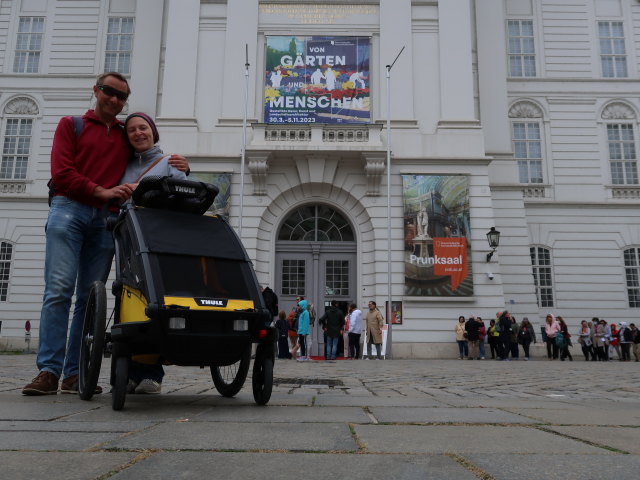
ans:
x=98 y=156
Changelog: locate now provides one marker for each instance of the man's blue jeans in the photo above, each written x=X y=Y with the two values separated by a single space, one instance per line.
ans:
x=79 y=251
x=332 y=347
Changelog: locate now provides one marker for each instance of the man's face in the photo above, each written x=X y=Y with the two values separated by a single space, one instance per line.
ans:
x=371 y=306
x=110 y=105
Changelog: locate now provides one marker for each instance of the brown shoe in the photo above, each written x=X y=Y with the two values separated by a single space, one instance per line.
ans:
x=46 y=383
x=70 y=385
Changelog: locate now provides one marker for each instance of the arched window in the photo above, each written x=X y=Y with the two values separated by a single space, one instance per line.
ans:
x=542 y=275
x=316 y=223
x=619 y=121
x=632 y=274
x=18 y=121
x=6 y=251
x=526 y=137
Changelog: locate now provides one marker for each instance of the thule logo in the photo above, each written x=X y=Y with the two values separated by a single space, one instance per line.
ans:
x=211 y=302
x=185 y=189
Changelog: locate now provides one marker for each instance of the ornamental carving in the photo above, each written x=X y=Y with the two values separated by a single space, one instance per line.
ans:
x=618 y=111
x=21 y=106
x=525 y=110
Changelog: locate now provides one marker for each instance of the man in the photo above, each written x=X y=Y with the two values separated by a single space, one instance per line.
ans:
x=332 y=323
x=471 y=327
x=86 y=168
x=270 y=300
x=506 y=328
x=355 y=330
x=374 y=322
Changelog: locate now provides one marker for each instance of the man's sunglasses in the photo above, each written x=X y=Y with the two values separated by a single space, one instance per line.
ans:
x=113 y=92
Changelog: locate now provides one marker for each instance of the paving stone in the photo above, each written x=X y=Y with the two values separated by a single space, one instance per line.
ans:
x=446 y=415
x=242 y=436
x=583 y=415
x=377 y=401
x=61 y=465
x=285 y=414
x=77 y=441
x=465 y=439
x=544 y=467
x=72 y=426
x=308 y=466
x=621 y=438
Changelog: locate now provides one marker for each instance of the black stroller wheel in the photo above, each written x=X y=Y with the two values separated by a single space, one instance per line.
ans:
x=262 y=380
x=92 y=342
x=229 y=379
x=119 y=390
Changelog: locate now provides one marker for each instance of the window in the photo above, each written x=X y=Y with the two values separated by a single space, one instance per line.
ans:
x=316 y=223
x=541 y=262
x=28 y=45
x=119 y=45
x=521 y=49
x=293 y=277
x=622 y=154
x=337 y=277
x=6 y=250
x=613 y=55
x=16 y=145
x=632 y=273
x=528 y=151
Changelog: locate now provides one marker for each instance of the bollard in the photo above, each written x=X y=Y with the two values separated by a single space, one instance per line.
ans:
x=27 y=336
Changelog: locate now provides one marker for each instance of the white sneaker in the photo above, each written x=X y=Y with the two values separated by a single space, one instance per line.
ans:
x=148 y=386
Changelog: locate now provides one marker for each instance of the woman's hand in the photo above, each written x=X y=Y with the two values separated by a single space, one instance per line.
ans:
x=120 y=192
x=179 y=162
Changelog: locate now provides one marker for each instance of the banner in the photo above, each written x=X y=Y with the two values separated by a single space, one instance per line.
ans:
x=317 y=80
x=437 y=236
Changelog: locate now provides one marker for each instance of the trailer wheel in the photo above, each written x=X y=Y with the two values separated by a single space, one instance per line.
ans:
x=92 y=341
x=229 y=379
x=262 y=380
x=120 y=380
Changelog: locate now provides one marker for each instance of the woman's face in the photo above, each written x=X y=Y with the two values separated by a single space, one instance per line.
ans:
x=548 y=318
x=139 y=134
x=584 y=323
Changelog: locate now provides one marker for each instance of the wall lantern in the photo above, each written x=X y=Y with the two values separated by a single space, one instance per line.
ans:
x=493 y=237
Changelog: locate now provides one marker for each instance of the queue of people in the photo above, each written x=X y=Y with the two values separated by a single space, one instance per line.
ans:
x=506 y=337
x=341 y=333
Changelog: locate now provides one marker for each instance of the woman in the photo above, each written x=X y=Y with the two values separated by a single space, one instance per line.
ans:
x=461 y=338
x=585 y=341
x=493 y=335
x=304 y=327
x=526 y=335
x=147 y=159
x=564 y=331
x=614 y=342
x=482 y=334
x=626 y=339
x=600 y=344
x=551 y=328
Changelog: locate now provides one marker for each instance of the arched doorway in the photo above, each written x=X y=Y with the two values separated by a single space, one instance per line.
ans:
x=316 y=258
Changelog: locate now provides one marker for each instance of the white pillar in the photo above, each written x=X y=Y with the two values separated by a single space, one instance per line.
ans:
x=242 y=28
x=456 y=74
x=181 y=60
x=145 y=58
x=492 y=75
x=395 y=33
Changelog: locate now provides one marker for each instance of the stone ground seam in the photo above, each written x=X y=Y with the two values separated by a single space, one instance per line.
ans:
x=137 y=459
x=578 y=439
x=477 y=471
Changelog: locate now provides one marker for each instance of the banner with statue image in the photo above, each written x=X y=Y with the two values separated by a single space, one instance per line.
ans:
x=437 y=248
x=317 y=80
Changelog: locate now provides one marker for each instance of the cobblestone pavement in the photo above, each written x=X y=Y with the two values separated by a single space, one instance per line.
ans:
x=366 y=418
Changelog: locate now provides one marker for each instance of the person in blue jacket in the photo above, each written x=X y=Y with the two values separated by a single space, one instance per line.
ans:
x=303 y=329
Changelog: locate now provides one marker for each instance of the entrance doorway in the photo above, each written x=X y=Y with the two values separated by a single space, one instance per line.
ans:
x=315 y=258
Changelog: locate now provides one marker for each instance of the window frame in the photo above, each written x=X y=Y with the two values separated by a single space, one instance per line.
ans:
x=536 y=266
x=27 y=51
x=117 y=64
x=5 y=264
x=633 y=301
x=520 y=56
x=611 y=40
x=528 y=141
x=21 y=108
x=622 y=142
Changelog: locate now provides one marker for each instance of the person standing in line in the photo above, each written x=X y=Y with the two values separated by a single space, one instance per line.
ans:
x=304 y=326
x=461 y=338
x=600 y=343
x=551 y=328
x=332 y=323
x=515 y=329
x=564 y=331
x=626 y=341
x=282 y=325
x=614 y=342
x=635 y=338
x=355 y=331
x=493 y=335
x=584 y=338
x=86 y=167
x=292 y=318
x=482 y=334
x=270 y=300
x=374 y=323
x=471 y=329
x=526 y=336
x=506 y=328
